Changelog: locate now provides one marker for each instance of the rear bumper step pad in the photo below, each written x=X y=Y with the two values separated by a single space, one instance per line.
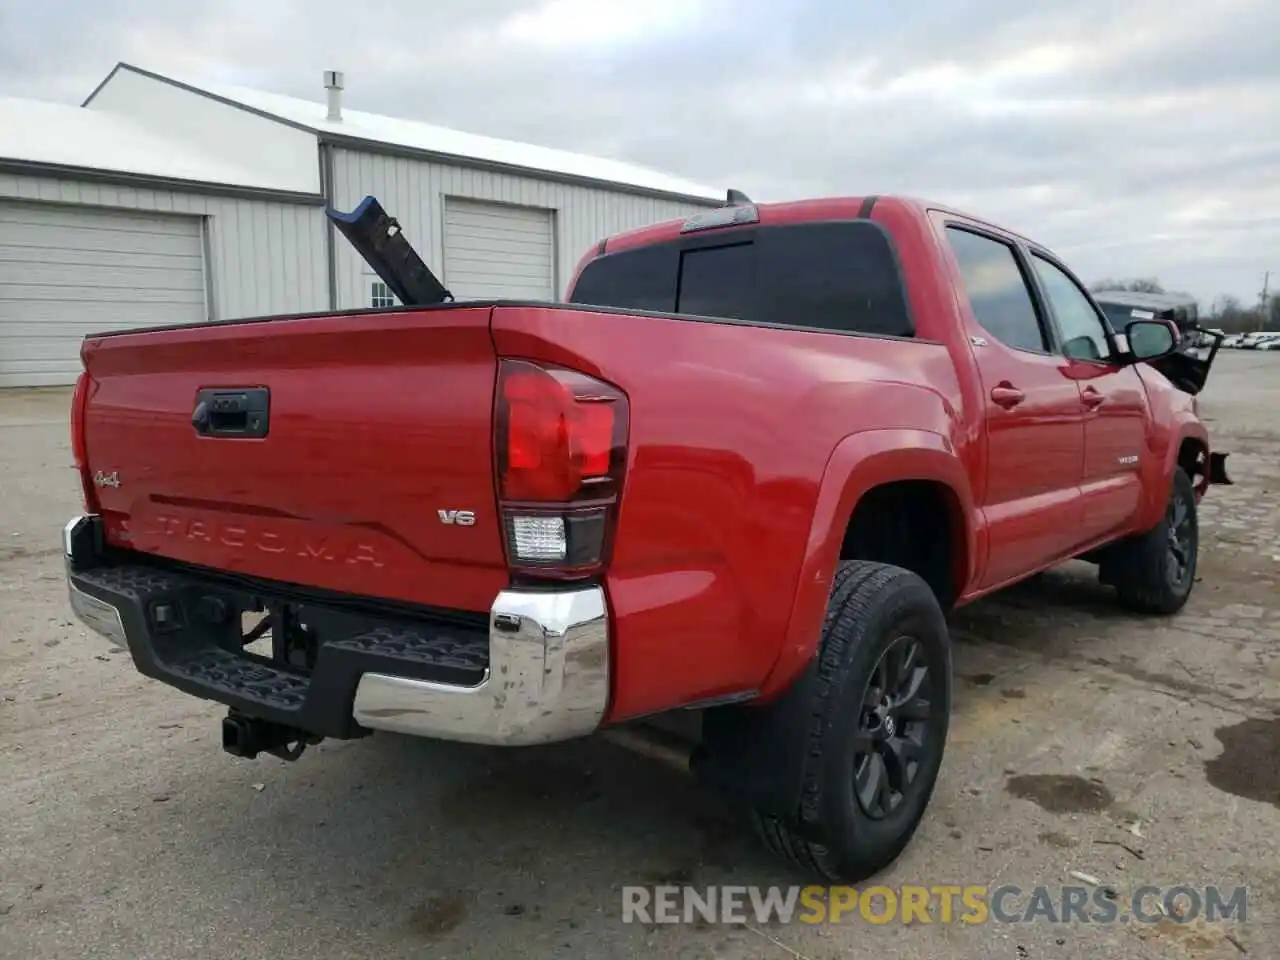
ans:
x=538 y=672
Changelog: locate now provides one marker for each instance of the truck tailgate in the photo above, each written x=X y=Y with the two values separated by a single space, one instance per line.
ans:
x=377 y=443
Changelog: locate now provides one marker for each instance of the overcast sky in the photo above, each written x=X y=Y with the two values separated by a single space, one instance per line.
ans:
x=1136 y=139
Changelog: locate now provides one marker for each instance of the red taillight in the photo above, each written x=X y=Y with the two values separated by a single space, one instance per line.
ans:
x=77 y=420
x=561 y=444
x=79 y=449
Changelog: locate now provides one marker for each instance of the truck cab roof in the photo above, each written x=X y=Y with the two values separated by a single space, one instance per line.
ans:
x=791 y=211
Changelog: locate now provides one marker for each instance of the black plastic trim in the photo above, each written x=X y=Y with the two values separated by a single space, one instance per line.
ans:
x=242 y=413
x=1218 y=469
x=379 y=238
x=539 y=304
x=291 y=592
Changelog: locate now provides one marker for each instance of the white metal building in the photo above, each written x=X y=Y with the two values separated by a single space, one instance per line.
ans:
x=160 y=201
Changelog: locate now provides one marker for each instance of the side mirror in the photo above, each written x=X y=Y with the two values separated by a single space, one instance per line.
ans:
x=1151 y=339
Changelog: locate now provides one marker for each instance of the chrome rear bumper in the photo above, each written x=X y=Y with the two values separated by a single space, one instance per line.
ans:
x=548 y=678
x=547 y=674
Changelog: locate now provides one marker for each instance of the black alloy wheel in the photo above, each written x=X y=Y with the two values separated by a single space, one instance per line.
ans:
x=893 y=734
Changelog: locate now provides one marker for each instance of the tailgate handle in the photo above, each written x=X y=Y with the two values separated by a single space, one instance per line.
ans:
x=232 y=412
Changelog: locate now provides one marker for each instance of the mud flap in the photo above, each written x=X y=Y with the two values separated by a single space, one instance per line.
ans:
x=1218 y=469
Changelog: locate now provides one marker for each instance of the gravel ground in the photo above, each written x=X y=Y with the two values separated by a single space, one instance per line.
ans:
x=127 y=833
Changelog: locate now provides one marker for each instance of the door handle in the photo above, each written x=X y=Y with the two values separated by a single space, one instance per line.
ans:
x=240 y=413
x=1091 y=398
x=1006 y=395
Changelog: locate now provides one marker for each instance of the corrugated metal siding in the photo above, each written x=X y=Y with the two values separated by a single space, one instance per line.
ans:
x=266 y=257
x=413 y=192
x=498 y=250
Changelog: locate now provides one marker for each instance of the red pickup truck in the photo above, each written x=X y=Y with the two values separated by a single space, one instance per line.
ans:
x=745 y=470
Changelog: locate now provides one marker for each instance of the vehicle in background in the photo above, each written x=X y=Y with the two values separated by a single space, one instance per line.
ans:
x=1254 y=340
x=1123 y=306
x=741 y=474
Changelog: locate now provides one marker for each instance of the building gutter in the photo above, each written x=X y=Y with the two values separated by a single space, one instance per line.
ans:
x=122 y=178
x=330 y=242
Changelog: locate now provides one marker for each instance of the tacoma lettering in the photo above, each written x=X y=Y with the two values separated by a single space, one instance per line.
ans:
x=305 y=546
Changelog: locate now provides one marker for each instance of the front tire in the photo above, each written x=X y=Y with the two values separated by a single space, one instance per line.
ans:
x=876 y=727
x=1156 y=571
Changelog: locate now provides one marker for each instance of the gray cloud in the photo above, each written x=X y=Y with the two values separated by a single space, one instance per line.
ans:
x=1136 y=139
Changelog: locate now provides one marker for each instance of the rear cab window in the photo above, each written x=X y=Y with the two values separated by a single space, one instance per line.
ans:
x=836 y=276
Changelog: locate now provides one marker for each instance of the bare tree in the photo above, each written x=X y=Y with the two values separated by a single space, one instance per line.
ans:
x=1139 y=285
x=1230 y=316
x=1150 y=285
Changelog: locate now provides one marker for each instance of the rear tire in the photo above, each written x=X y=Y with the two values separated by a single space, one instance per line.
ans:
x=1156 y=571
x=877 y=716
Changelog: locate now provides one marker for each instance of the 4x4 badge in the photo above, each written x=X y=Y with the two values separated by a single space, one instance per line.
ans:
x=111 y=479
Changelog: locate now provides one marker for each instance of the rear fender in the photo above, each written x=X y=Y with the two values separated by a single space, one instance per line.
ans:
x=859 y=463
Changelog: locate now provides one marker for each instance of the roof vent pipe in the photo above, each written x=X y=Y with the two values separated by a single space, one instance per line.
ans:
x=333 y=85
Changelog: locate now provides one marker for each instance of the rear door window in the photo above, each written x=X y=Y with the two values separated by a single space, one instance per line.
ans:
x=837 y=276
x=834 y=276
x=997 y=291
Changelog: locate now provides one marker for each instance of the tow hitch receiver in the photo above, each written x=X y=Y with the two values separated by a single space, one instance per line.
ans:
x=247 y=737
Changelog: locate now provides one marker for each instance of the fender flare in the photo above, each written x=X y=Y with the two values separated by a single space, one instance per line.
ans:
x=860 y=462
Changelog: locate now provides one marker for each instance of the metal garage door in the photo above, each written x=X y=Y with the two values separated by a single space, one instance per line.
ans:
x=492 y=251
x=66 y=271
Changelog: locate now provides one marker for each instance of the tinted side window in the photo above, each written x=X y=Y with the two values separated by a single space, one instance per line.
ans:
x=640 y=279
x=834 y=276
x=718 y=282
x=1083 y=336
x=831 y=276
x=997 y=292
